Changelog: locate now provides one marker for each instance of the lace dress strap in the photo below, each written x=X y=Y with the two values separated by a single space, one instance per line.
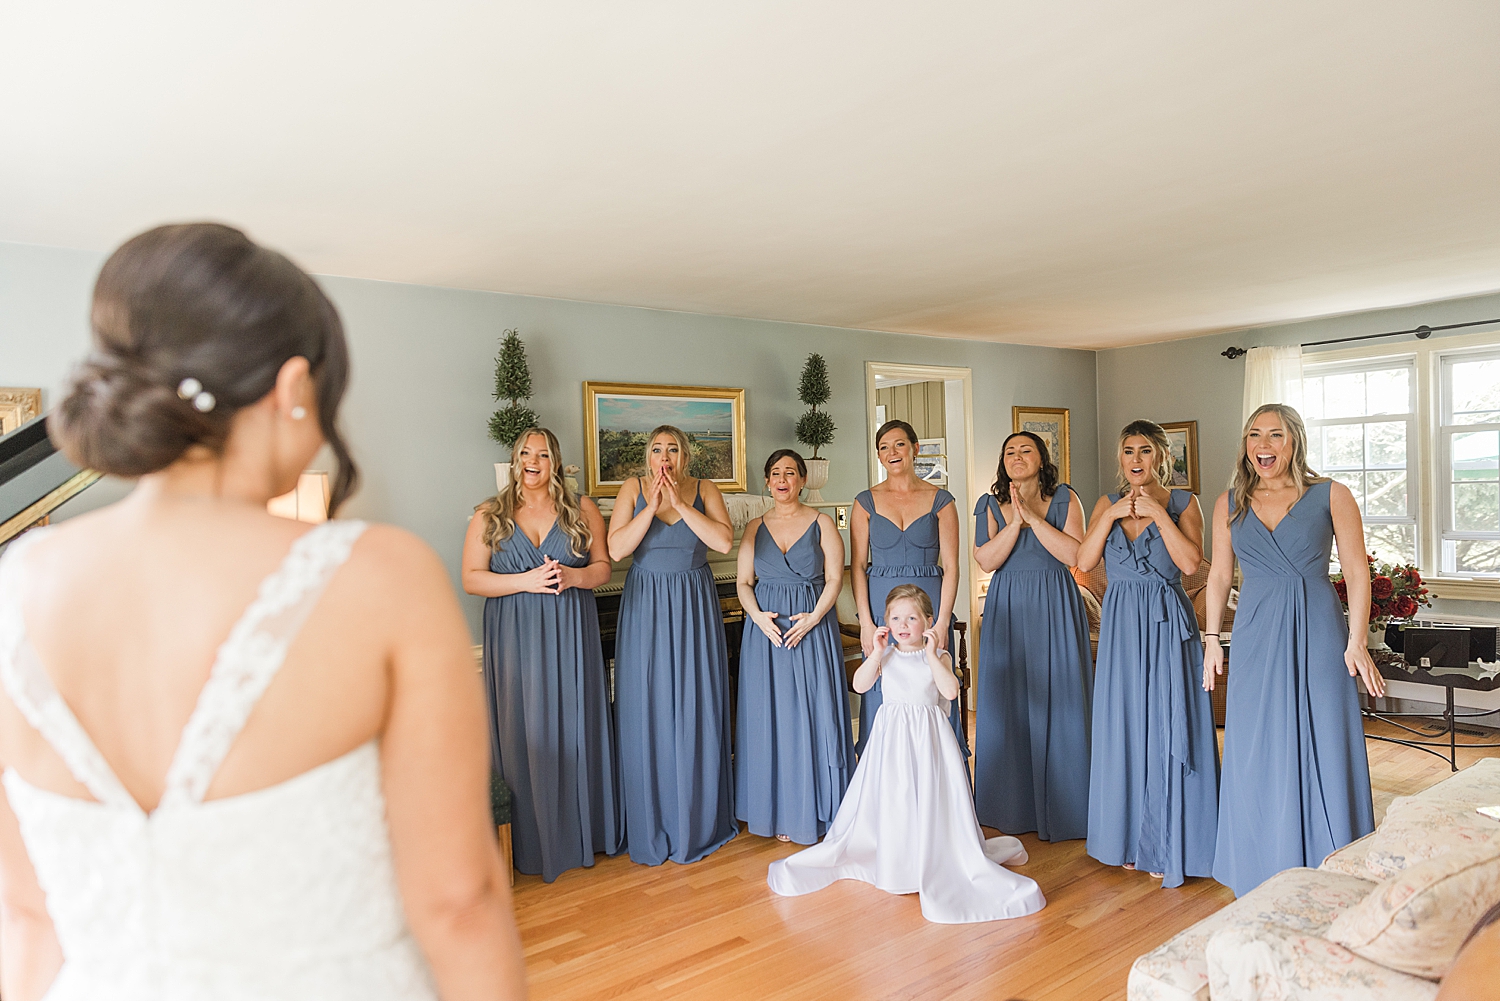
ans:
x=30 y=688
x=249 y=658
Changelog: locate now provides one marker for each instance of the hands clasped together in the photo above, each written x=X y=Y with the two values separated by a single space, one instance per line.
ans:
x=1137 y=502
x=551 y=577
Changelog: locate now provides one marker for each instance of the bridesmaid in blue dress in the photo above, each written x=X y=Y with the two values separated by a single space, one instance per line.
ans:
x=535 y=552
x=1296 y=783
x=1036 y=679
x=1154 y=782
x=904 y=531
x=671 y=661
x=794 y=751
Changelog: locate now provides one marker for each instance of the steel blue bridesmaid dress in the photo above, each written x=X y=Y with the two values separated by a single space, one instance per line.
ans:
x=550 y=728
x=672 y=700
x=904 y=556
x=1036 y=689
x=794 y=750
x=1296 y=781
x=1154 y=783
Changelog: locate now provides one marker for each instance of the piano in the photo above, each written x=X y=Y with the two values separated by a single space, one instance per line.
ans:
x=35 y=479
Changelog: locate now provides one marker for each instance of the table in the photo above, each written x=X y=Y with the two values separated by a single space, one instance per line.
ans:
x=1393 y=667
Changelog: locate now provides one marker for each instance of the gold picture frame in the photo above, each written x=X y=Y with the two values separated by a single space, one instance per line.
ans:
x=18 y=405
x=1051 y=425
x=1183 y=437
x=618 y=415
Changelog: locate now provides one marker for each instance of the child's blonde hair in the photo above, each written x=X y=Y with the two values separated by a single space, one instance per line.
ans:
x=909 y=592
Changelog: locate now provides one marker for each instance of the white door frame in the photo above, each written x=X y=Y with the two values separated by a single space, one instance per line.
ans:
x=935 y=373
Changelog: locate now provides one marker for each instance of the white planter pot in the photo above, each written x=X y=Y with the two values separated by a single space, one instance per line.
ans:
x=817 y=479
x=1375 y=638
x=502 y=475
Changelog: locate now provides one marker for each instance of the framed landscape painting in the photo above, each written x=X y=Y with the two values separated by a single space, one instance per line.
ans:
x=1183 y=437
x=1051 y=425
x=617 y=417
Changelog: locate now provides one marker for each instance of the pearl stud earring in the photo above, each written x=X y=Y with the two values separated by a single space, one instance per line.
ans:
x=298 y=413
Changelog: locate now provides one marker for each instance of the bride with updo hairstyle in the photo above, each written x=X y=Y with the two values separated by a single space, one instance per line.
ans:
x=203 y=706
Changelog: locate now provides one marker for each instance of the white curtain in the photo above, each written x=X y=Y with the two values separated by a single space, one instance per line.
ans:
x=1272 y=375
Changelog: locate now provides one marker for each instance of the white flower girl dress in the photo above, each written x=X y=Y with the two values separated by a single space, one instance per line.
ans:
x=906 y=824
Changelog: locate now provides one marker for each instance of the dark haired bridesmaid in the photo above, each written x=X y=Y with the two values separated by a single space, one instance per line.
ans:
x=1036 y=685
x=535 y=552
x=1154 y=785
x=794 y=751
x=671 y=660
x=904 y=531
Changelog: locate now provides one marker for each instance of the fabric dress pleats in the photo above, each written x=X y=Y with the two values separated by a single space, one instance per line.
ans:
x=550 y=727
x=672 y=700
x=794 y=750
x=1296 y=783
x=1036 y=689
x=1153 y=796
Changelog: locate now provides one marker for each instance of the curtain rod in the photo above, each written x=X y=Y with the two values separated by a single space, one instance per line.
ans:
x=1423 y=332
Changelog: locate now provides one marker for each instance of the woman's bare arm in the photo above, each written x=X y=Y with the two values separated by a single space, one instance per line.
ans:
x=833 y=581
x=477 y=578
x=948 y=560
x=712 y=524
x=859 y=579
x=1349 y=534
x=436 y=761
x=1062 y=543
x=596 y=573
x=992 y=555
x=1220 y=575
x=626 y=528
x=1091 y=549
x=29 y=953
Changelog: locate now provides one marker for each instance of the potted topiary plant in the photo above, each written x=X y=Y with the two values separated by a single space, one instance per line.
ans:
x=512 y=384
x=815 y=428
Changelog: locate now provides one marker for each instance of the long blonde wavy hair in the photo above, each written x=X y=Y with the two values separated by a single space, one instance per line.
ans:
x=1158 y=439
x=500 y=510
x=1245 y=478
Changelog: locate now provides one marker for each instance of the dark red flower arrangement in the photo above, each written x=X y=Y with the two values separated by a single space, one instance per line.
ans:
x=1396 y=591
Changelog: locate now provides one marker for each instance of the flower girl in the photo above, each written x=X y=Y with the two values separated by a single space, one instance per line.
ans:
x=907 y=822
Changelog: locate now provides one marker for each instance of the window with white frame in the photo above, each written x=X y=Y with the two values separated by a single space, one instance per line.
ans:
x=1469 y=470
x=1361 y=429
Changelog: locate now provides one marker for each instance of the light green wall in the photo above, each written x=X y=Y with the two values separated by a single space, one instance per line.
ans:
x=423 y=362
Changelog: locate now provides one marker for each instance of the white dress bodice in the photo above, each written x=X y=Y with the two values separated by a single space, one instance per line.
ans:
x=285 y=892
x=906 y=679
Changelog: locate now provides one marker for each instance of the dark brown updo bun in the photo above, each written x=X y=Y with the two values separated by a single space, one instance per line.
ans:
x=196 y=301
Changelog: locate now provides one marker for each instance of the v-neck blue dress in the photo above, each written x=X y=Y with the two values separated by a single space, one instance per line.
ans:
x=1036 y=688
x=550 y=727
x=672 y=699
x=1296 y=784
x=793 y=748
x=904 y=556
x=1154 y=783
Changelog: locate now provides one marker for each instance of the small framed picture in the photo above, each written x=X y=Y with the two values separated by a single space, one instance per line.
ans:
x=1183 y=438
x=932 y=446
x=1051 y=425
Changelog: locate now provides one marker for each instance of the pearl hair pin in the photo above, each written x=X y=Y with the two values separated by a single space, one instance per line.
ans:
x=192 y=390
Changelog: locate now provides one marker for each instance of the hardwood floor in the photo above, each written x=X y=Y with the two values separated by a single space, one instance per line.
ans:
x=714 y=930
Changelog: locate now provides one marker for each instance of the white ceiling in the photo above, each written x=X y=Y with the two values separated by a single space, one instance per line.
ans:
x=1083 y=174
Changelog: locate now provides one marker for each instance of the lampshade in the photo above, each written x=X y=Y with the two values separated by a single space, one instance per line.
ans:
x=309 y=502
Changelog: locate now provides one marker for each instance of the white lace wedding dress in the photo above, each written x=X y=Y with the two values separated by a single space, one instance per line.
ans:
x=906 y=824
x=286 y=892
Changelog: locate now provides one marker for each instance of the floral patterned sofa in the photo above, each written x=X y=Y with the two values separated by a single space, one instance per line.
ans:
x=1380 y=918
